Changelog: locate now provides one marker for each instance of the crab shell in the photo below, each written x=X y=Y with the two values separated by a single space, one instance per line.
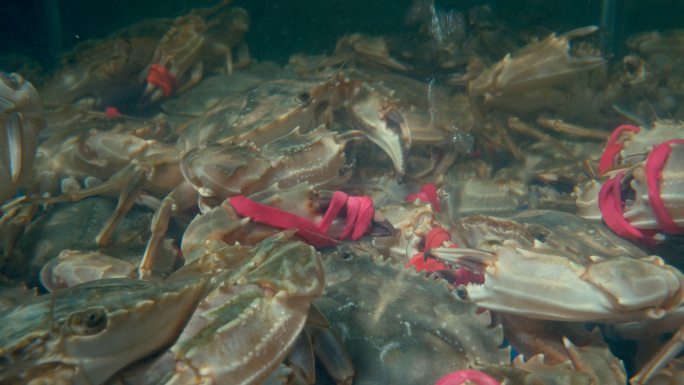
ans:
x=316 y=157
x=637 y=145
x=574 y=275
x=541 y=75
x=387 y=315
x=85 y=334
x=639 y=212
x=244 y=327
x=261 y=113
x=95 y=69
x=185 y=48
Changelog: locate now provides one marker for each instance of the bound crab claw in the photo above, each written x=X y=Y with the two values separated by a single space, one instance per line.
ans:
x=641 y=199
x=549 y=283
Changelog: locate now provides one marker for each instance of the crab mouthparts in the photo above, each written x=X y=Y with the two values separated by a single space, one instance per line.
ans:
x=472 y=259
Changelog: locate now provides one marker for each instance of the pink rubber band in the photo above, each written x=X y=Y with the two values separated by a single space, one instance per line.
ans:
x=611 y=206
x=280 y=219
x=427 y=194
x=655 y=162
x=613 y=148
x=360 y=213
x=161 y=78
x=337 y=202
x=460 y=376
x=359 y=217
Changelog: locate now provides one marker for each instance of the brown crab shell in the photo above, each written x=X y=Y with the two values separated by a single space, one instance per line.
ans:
x=316 y=157
x=261 y=114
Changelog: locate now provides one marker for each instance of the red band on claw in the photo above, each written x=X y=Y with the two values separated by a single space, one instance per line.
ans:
x=655 y=162
x=161 y=78
x=611 y=206
x=428 y=194
x=613 y=147
x=359 y=216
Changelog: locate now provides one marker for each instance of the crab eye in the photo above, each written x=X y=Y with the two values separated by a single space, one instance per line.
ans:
x=541 y=237
x=304 y=96
x=461 y=292
x=90 y=321
x=11 y=80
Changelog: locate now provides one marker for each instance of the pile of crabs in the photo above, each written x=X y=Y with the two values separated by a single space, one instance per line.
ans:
x=446 y=206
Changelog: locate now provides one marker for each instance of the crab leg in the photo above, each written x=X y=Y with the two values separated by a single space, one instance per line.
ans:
x=179 y=199
x=665 y=354
x=510 y=143
x=523 y=128
x=559 y=125
x=127 y=199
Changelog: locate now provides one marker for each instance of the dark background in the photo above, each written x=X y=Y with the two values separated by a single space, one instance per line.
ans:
x=39 y=28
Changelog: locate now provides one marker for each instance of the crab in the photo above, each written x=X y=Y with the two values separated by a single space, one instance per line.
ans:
x=403 y=117
x=221 y=305
x=110 y=163
x=22 y=117
x=263 y=113
x=640 y=183
x=74 y=226
x=386 y=315
x=386 y=340
x=651 y=75
x=68 y=336
x=585 y=272
x=543 y=76
x=217 y=89
x=101 y=70
x=128 y=163
x=193 y=42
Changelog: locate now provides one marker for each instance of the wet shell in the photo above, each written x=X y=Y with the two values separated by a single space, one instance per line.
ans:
x=401 y=327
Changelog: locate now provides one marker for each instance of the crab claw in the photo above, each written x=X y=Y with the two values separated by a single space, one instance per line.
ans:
x=544 y=283
x=153 y=93
x=21 y=116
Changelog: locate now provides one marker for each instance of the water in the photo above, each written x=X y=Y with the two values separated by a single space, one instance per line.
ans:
x=504 y=106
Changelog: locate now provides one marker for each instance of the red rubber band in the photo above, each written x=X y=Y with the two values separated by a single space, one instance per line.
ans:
x=428 y=194
x=161 y=78
x=654 y=173
x=460 y=376
x=436 y=238
x=111 y=112
x=337 y=202
x=359 y=217
x=420 y=263
x=611 y=206
x=613 y=148
x=281 y=220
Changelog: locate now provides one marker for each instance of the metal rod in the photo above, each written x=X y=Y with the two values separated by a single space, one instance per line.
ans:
x=608 y=12
x=53 y=30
